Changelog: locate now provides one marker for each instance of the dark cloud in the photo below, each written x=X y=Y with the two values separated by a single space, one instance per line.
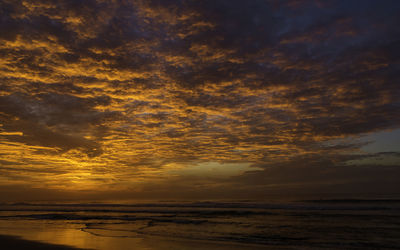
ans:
x=54 y=120
x=329 y=174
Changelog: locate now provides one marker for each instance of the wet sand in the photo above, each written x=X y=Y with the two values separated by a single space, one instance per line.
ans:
x=12 y=242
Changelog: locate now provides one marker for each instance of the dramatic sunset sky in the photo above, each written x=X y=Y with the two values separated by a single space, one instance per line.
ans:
x=210 y=99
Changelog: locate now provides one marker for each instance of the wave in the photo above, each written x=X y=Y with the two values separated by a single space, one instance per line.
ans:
x=235 y=207
x=330 y=224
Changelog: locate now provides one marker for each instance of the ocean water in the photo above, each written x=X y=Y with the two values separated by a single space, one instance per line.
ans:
x=317 y=224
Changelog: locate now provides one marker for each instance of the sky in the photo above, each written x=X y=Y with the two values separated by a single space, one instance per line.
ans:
x=187 y=99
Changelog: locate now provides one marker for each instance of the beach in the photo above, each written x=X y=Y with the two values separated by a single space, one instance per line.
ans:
x=13 y=242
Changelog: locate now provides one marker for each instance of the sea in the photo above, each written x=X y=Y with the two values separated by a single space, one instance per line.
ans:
x=306 y=224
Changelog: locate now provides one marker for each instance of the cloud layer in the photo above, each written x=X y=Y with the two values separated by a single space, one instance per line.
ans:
x=118 y=93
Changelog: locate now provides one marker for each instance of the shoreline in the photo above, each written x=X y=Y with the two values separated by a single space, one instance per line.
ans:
x=10 y=242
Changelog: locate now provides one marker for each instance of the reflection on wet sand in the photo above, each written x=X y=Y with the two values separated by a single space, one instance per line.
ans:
x=73 y=236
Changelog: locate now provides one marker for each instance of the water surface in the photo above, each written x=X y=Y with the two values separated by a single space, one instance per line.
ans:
x=329 y=224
